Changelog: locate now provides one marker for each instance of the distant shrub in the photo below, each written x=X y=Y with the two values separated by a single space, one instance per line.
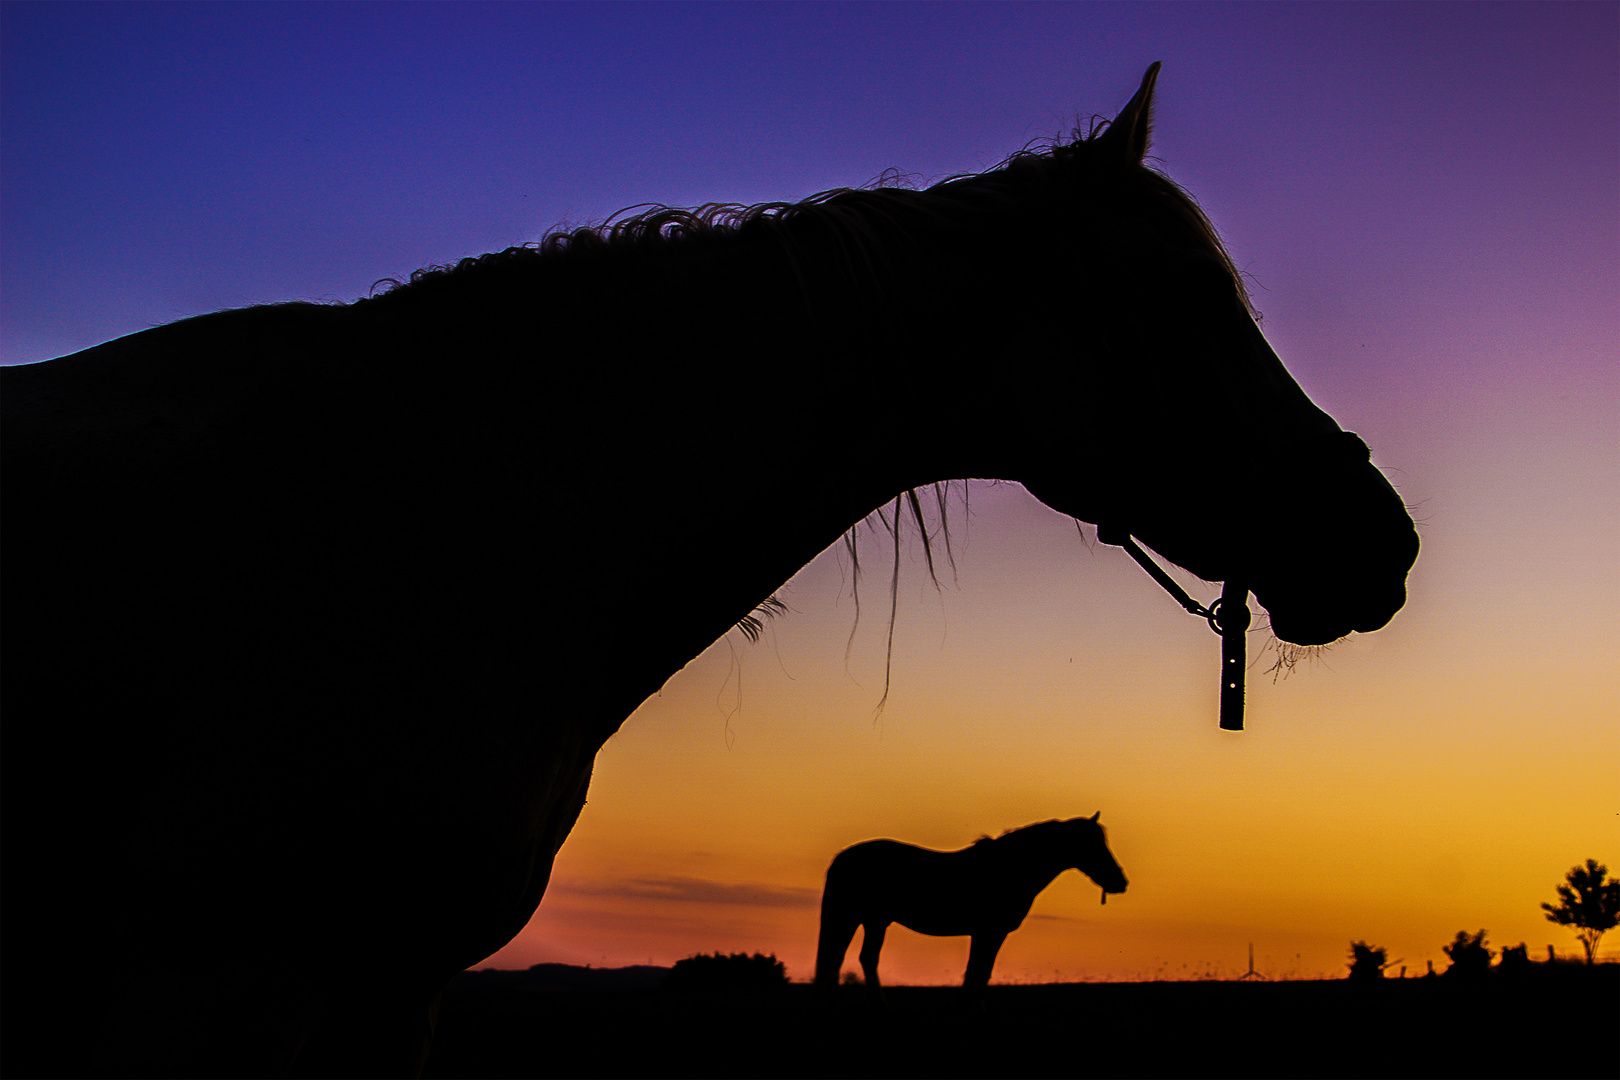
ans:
x=1515 y=958
x=851 y=979
x=1367 y=961
x=735 y=972
x=1469 y=956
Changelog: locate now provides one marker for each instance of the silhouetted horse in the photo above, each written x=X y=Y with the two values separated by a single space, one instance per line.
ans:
x=984 y=890
x=317 y=615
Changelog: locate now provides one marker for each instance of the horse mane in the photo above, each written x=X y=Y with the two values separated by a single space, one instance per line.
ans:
x=1038 y=832
x=862 y=221
x=1026 y=828
x=1013 y=840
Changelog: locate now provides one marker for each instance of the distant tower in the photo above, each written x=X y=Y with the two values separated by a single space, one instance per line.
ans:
x=1251 y=973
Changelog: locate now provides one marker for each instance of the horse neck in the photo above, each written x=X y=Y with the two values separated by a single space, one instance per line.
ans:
x=1039 y=863
x=710 y=453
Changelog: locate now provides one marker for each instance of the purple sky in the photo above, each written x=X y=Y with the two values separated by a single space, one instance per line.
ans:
x=167 y=160
x=1426 y=197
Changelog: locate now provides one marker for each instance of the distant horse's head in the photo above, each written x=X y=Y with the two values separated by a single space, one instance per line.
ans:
x=1089 y=844
x=1155 y=406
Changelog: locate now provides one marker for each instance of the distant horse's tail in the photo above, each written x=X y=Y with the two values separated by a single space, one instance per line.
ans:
x=837 y=931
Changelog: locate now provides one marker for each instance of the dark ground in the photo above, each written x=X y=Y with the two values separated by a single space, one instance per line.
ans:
x=1554 y=1022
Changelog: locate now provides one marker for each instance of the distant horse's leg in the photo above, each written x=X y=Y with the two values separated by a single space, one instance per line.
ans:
x=871 y=945
x=981 y=958
x=837 y=928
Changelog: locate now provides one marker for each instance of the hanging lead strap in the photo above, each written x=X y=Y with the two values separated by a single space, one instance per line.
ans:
x=1232 y=616
x=1228 y=617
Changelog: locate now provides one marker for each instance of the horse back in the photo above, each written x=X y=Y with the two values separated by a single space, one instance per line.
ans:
x=147 y=391
x=932 y=892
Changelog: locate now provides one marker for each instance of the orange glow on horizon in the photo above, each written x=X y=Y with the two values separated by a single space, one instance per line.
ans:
x=1434 y=777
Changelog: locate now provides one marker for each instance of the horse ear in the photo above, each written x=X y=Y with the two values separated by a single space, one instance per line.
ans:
x=1126 y=139
x=1095 y=816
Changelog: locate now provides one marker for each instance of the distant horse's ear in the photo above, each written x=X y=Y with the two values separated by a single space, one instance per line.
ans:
x=1126 y=139
x=1098 y=814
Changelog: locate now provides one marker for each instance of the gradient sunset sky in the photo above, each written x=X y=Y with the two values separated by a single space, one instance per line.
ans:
x=1427 y=201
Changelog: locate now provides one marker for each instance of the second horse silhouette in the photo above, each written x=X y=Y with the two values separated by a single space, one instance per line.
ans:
x=983 y=891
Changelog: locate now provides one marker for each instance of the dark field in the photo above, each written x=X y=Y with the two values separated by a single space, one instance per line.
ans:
x=1554 y=1022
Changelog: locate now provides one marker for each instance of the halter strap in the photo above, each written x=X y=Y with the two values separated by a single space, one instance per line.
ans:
x=1229 y=617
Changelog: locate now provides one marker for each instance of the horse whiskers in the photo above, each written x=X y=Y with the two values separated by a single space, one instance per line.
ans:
x=1289 y=655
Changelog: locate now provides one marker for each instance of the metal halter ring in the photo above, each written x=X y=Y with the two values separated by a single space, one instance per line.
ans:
x=1232 y=637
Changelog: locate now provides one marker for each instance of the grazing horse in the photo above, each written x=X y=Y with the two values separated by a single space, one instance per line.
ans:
x=984 y=890
x=317 y=615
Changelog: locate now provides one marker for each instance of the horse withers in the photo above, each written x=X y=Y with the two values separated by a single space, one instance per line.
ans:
x=983 y=891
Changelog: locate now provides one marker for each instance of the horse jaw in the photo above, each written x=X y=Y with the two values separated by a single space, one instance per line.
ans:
x=1339 y=563
x=1325 y=555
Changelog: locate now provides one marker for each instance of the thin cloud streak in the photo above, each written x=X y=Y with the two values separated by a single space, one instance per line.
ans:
x=695 y=891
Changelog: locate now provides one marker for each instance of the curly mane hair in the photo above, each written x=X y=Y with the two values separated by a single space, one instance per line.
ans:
x=863 y=221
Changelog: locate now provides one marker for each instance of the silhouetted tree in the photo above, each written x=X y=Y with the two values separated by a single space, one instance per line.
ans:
x=1367 y=961
x=719 y=971
x=1587 y=903
x=1469 y=956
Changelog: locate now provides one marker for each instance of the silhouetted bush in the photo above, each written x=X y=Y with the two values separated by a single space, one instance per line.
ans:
x=1515 y=959
x=1469 y=956
x=1367 y=961
x=736 y=972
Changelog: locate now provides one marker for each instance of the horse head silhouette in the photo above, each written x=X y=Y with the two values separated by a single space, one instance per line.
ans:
x=1093 y=859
